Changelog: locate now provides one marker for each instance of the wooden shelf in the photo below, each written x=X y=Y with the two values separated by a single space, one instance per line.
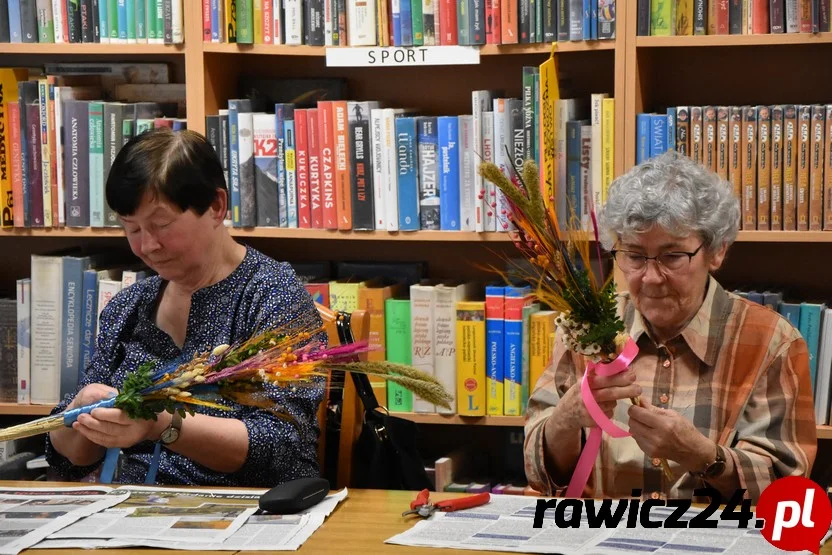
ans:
x=90 y=48
x=734 y=40
x=784 y=236
x=824 y=432
x=430 y=418
x=485 y=50
x=25 y=410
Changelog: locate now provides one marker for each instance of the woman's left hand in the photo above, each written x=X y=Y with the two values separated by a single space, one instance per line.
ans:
x=666 y=434
x=113 y=428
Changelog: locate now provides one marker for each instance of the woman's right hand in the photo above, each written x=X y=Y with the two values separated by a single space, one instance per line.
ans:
x=92 y=394
x=607 y=390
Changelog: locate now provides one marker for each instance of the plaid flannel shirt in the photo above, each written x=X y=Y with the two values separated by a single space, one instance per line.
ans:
x=739 y=371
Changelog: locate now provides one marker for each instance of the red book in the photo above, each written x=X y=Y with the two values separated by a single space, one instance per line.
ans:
x=302 y=168
x=314 y=146
x=343 y=188
x=268 y=23
x=326 y=127
x=448 y=22
x=206 y=20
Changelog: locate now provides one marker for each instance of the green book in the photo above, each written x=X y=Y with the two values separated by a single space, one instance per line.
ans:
x=661 y=15
x=397 y=338
x=528 y=310
x=245 y=22
x=417 y=22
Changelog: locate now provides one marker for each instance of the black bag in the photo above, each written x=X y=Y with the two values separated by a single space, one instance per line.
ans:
x=385 y=455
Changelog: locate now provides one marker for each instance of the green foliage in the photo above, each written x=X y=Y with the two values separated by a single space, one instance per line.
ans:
x=599 y=311
x=131 y=400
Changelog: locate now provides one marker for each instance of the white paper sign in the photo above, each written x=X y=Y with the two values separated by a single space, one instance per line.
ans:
x=393 y=56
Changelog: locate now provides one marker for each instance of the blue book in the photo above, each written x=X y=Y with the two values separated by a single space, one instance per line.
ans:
x=643 y=137
x=121 y=20
x=494 y=344
x=282 y=112
x=89 y=317
x=397 y=21
x=406 y=22
x=573 y=166
x=215 y=20
x=587 y=19
x=658 y=134
x=73 y=276
x=408 y=173
x=15 y=29
x=235 y=107
x=671 y=129
x=810 y=316
x=141 y=18
x=516 y=297
x=428 y=147
x=791 y=311
x=594 y=19
x=448 y=137
x=290 y=171
x=103 y=20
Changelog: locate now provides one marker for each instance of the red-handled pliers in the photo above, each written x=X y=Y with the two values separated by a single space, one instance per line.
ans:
x=422 y=505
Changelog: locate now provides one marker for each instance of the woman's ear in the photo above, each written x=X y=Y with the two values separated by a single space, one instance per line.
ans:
x=717 y=257
x=219 y=207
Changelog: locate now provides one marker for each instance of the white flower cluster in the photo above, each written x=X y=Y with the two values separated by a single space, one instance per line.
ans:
x=571 y=333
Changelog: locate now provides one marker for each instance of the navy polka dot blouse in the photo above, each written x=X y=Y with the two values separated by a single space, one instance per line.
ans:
x=259 y=293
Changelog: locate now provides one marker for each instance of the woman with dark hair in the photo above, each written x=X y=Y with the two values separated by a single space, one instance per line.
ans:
x=169 y=191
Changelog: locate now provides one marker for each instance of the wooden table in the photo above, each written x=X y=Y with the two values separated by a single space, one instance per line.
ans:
x=360 y=524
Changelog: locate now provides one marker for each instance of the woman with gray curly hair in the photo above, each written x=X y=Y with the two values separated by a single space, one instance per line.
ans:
x=724 y=383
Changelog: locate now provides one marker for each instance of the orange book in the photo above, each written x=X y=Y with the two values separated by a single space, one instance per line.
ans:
x=327 y=163
x=776 y=186
x=827 y=173
x=816 y=169
x=749 y=168
x=804 y=147
x=789 y=167
x=763 y=167
x=696 y=139
x=343 y=194
x=372 y=299
x=709 y=122
x=735 y=150
x=723 y=142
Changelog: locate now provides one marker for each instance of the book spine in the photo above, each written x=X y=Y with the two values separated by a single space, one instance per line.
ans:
x=422 y=300
x=16 y=163
x=281 y=112
x=245 y=146
x=36 y=207
x=448 y=143
x=24 y=335
x=804 y=147
x=408 y=174
x=816 y=169
x=763 y=167
x=515 y=300
x=362 y=175
x=468 y=198
x=749 y=168
x=343 y=194
x=471 y=358
x=95 y=124
x=234 y=162
x=827 y=172
x=776 y=187
x=328 y=161
x=398 y=350
x=391 y=171
x=88 y=319
x=302 y=162
x=289 y=157
x=315 y=192
x=378 y=163
x=428 y=147
x=444 y=344
x=265 y=163
x=723 y=141
x=494 y=344
x=789 y=167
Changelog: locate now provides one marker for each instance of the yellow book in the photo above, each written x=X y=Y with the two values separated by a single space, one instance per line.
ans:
x=8 y=93
x=470 y=358
x=258 y=21
x=684 y=17
x=230 y=20
x=607 y=145
x=343 y=294
x=45 y=152
x=540 y=345
x=549 y=94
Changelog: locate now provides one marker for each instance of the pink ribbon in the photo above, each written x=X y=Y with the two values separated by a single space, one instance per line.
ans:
x=603 y=424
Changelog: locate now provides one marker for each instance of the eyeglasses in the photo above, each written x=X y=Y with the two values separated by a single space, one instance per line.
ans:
x=676 y=261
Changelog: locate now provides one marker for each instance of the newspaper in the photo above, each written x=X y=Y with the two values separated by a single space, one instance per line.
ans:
x=28 y=515
x=506 y=524
x=196 y=516
x=260 y=532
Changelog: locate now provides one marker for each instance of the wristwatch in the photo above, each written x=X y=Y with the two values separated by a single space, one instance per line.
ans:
x=171 y=433
x=715 y=468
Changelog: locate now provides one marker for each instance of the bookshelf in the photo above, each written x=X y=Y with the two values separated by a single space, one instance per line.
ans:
x=641 y=73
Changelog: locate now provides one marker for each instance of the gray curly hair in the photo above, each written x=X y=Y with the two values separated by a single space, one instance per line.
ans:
x=675 y=193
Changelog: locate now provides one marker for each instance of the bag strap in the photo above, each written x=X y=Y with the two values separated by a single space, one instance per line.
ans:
x=362 y=382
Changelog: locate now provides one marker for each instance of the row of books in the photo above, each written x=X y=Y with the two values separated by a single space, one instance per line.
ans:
x=359 y=166
x=487 y=345
x=731 y=17
x=59 y=141
x=57 y=311
x=814 y=322
x=92 y=21
x=407 y=22
x=778 y=158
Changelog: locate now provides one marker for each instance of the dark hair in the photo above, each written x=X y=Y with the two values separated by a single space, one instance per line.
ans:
x=179 y=166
